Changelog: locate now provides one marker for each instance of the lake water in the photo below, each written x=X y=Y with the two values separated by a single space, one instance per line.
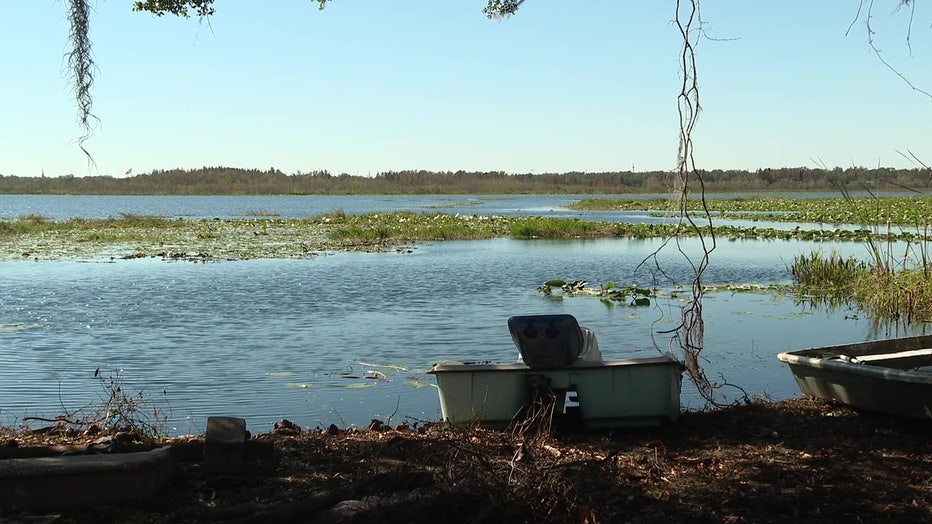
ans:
x=323 y=341
x=62 y=207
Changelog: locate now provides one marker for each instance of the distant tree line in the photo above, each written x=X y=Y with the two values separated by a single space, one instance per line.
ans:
x=236 y=181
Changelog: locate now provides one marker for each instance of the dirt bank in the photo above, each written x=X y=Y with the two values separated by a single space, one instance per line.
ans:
x=791 y=461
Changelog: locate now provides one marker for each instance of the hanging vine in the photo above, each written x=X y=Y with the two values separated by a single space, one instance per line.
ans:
x=81 y=69
x=691 y=331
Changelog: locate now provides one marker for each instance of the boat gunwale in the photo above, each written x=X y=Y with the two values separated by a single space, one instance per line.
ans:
x=814 y=358
x=449 y=366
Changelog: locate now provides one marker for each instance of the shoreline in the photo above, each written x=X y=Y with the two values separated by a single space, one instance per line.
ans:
x=797 y=460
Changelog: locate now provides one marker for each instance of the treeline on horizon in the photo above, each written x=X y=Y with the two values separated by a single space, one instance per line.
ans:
x=237 y=181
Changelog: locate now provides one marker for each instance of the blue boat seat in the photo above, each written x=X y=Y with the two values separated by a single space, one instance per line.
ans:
x=552 y=341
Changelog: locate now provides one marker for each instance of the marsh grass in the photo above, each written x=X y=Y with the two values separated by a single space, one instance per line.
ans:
x=889 y=287
x=402 y=226
x=26 y=224
x=833 y=274
x=37 y=224
x=538 y=227
x=406 y=226
x=261 y=213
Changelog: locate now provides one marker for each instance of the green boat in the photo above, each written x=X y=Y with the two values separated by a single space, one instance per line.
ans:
x=888 y=376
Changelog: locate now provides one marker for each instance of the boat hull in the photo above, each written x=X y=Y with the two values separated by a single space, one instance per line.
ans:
x=610 y=394
x=888 y=376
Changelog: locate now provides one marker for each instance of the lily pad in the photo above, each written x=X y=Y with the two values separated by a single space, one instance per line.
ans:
x=360 y=385
x=16 y=326
x=417 y=384
x=385 y=366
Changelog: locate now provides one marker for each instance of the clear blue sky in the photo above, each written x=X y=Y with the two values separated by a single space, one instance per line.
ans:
x=369 y=85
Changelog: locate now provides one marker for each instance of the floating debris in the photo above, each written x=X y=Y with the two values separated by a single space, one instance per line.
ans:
x=384 y=366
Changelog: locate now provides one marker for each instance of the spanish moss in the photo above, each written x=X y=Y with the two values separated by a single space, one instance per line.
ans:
x=81 y=67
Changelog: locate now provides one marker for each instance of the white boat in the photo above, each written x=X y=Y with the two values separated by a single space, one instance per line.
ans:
x=890 y=376
x=557 y=355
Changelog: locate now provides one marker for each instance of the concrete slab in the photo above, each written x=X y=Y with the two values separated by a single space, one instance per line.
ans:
x=54 y=483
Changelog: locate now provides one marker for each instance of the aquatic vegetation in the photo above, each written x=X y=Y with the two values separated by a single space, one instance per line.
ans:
x=831 y=274
x=9 y=327
x=538 y=227
x=907 y=211
x=887 y=292
x=138 y=236
x=394 y=367
x=359 y=385
x=611 y=293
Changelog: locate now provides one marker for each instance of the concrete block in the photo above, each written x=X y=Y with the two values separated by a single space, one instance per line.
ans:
x=224 y=445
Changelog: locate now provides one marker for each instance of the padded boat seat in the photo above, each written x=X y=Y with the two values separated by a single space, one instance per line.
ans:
x=552 y=341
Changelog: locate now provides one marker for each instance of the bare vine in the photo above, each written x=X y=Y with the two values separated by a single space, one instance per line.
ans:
x=866 y=11
x=691 y=330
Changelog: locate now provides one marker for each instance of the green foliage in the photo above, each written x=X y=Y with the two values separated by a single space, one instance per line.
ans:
x=494 y=9
x=175 y=7
x=235 y=181
x=502 y=8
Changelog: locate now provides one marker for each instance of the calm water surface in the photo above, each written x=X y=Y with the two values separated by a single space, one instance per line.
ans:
x=321 y=341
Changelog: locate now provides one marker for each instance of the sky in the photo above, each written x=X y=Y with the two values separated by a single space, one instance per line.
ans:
x=368 y=86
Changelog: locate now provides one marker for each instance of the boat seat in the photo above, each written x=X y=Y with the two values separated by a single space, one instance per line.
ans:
x=552 y=341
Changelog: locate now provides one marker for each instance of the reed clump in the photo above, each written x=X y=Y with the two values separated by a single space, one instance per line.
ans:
x=888 y=291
